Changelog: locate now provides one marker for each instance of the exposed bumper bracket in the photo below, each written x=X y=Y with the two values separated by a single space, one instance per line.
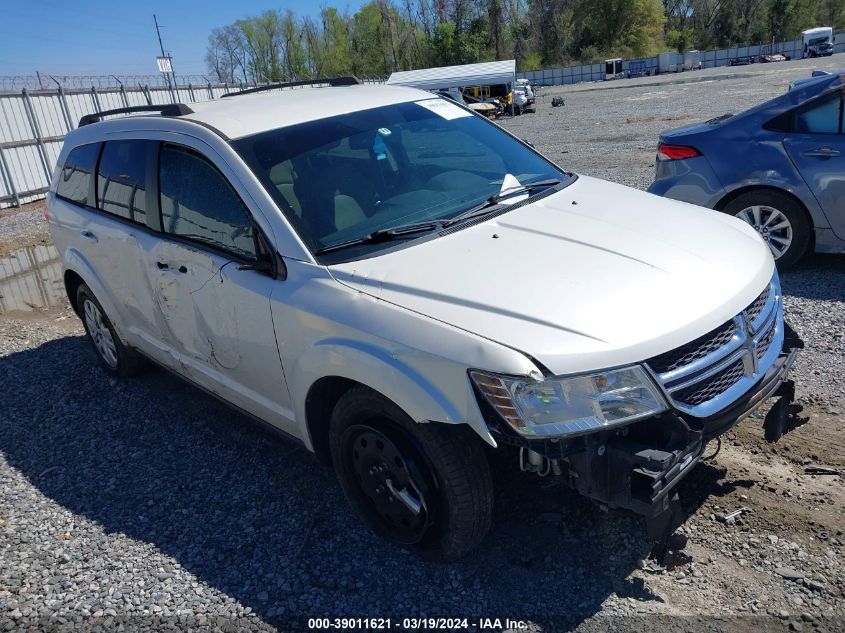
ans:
x=661 y=527
x=783 y=416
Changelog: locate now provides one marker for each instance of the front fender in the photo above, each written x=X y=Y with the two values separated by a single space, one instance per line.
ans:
x=392 y=376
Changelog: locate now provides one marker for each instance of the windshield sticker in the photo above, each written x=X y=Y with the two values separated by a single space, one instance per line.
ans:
x=443 y=108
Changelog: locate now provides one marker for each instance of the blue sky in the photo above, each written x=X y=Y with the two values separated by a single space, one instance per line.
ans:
x=101 y=37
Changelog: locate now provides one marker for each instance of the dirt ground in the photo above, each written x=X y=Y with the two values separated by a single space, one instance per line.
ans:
x=34 y=231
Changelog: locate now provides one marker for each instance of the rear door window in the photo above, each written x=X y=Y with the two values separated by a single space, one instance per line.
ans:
x=122 y=179
x=822 y=116
x=198 y=203
x=75 y=180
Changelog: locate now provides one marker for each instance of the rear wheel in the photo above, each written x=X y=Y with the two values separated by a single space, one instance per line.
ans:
x=425 y=487
x=113 y=355
x=779 y=219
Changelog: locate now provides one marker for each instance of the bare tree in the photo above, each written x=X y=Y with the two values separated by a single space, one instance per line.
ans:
x=225 y=55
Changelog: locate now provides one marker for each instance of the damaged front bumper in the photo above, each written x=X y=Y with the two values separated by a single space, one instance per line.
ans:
x=774 y=383
x=636 y=467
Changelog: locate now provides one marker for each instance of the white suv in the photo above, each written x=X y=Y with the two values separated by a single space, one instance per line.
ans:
x=522 y=84
x=403 y=287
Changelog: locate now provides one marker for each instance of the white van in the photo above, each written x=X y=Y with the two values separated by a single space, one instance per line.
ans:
x=817 y=42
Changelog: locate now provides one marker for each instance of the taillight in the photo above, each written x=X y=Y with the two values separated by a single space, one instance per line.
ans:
x=676 y=152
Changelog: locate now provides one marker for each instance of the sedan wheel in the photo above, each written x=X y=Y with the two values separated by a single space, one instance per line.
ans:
x=782 y=222
x=100 y=333
x=772 y=225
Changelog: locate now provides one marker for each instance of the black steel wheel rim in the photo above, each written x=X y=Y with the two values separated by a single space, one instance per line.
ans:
x=389 y=477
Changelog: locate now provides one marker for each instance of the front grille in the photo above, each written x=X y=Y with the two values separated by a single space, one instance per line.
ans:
x=711 y=387
x=688 y=374
x=756 y=307
x=765 y=343
x=694 y=350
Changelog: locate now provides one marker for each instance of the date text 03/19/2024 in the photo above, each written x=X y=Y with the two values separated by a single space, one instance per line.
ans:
x=415 y=624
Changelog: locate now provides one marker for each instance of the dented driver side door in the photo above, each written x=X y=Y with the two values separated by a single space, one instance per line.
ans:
x=215 y=311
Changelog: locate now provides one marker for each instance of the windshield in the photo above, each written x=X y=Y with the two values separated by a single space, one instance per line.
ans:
x=342 y=178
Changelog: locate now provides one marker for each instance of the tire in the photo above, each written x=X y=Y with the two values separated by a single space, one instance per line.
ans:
x=113 y=355
x=438 y=470
x=764 y=209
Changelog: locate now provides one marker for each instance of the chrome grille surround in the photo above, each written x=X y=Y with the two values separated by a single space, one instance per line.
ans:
x=711 y=380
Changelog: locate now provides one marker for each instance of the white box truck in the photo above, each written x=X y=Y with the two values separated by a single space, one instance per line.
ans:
x=692 y=60
x=613 y=69
x=670 y=62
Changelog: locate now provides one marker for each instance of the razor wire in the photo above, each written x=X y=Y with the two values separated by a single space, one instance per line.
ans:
x=52 y=81
x=47 y=81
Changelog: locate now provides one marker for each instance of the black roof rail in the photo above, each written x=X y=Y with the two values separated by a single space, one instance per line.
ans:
x=169 y=109
x=344 y=80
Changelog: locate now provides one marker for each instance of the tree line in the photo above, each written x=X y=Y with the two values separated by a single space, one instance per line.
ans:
x=387 y=35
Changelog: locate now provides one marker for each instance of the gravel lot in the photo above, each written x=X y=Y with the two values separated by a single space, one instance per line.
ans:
x=146 y=504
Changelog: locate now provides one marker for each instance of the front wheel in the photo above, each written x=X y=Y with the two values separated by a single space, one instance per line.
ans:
x=425 y=487
x=781 y=222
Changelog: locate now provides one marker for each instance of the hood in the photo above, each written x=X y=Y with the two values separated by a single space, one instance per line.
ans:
x=593 y=276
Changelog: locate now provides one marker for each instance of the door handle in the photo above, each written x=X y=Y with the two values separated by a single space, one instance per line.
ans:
x=88 y=235
x=162 y=266
x=823 y=152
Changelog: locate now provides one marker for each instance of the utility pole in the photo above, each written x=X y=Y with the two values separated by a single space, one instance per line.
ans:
x=171 y=76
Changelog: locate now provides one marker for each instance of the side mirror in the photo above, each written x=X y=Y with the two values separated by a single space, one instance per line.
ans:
x=269 y=261
x=271 y=265
x=261 y=265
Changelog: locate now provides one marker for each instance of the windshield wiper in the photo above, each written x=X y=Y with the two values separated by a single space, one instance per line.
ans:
x=396 y=232
x=384 y=235
x=493 y=201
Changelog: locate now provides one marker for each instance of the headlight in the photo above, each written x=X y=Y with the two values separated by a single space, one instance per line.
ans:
x=571 y=405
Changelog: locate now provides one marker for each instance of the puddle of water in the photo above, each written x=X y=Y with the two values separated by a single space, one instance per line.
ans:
x=31 y=279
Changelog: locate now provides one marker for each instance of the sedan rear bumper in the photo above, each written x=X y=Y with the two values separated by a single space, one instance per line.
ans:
x=689 y=180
